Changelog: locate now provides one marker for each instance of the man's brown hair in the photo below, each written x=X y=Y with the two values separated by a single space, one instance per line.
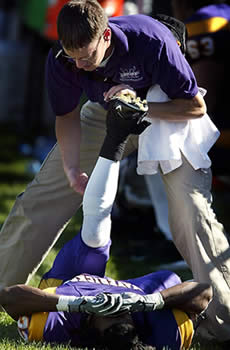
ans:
x=80 y=22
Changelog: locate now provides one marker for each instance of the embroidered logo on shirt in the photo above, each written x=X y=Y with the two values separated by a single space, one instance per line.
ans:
x=130 y=74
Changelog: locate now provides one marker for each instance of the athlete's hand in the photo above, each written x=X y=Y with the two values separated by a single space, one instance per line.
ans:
x=77 y=180
x=105 y=304
x=118 y=90
x=109 y=304
x=136 y=303
x=102 y=304
x=126 y=110
x=125 y=117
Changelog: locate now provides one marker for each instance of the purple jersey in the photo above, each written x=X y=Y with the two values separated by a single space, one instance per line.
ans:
x=209 y=33
x=157 y=328
x=146 y=53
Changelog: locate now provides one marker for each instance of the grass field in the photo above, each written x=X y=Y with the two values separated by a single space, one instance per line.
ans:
x=13 y=180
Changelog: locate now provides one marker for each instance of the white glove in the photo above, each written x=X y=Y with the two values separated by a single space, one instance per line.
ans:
x=136 y=303
x=109 y=304
x=101 y=304
x=105 y=304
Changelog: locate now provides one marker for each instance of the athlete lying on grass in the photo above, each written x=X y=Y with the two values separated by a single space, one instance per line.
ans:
x=76 y=304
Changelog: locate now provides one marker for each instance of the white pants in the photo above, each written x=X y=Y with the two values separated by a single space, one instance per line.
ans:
x=42 y=211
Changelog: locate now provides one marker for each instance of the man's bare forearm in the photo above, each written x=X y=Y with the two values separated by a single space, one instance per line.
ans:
x=68 y=134
x=178 y=110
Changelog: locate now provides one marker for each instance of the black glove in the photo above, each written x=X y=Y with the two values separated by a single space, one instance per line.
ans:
x=123 y=118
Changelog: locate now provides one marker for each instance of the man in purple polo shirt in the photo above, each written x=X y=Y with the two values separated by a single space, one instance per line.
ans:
x=101 y=58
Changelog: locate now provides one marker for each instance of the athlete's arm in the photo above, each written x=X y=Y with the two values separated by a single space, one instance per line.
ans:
x=68 y=132
x=25 y=300
x=191 y=297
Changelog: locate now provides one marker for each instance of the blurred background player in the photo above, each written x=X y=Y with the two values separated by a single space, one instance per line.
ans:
x=208 y=52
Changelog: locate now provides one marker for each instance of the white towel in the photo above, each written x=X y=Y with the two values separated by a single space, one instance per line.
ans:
x=162 y=143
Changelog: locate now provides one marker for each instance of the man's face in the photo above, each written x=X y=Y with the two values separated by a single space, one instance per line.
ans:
x=89 y=57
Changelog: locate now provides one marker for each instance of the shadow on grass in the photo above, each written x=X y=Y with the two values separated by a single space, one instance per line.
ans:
x=8 y=332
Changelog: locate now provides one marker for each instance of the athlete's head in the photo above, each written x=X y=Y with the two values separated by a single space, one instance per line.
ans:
x=83 y=31
x=117 y=332
x=123 y=336
x=182 y=9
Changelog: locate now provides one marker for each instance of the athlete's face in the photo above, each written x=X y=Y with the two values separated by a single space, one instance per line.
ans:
x=102 y=323
x=89 y=57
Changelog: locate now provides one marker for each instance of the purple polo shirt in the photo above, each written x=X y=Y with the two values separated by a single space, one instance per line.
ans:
x=146 y=53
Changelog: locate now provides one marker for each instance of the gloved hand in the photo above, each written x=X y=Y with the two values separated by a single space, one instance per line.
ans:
x=99 y=304
x=124 y=117
x=136 y=303
x=130 y=108
x=109 y=304
x=105 y=304
x=102 y=304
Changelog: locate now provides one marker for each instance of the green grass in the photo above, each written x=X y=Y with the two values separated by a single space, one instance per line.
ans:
x=13 y=180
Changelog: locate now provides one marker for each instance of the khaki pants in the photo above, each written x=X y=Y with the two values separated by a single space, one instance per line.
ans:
x=201 y=240
x=42 y=211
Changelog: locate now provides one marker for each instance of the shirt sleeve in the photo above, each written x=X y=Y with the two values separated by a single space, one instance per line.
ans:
x=175 y=75
x=63 y=90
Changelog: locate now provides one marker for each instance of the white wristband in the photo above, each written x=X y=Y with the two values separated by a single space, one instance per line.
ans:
x=154 y=301
x=64 y=301
x=159 y=301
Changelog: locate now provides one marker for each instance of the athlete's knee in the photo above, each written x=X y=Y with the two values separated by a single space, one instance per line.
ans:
x=96 y=230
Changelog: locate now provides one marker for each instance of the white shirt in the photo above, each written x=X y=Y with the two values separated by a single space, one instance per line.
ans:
x=161 y=143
